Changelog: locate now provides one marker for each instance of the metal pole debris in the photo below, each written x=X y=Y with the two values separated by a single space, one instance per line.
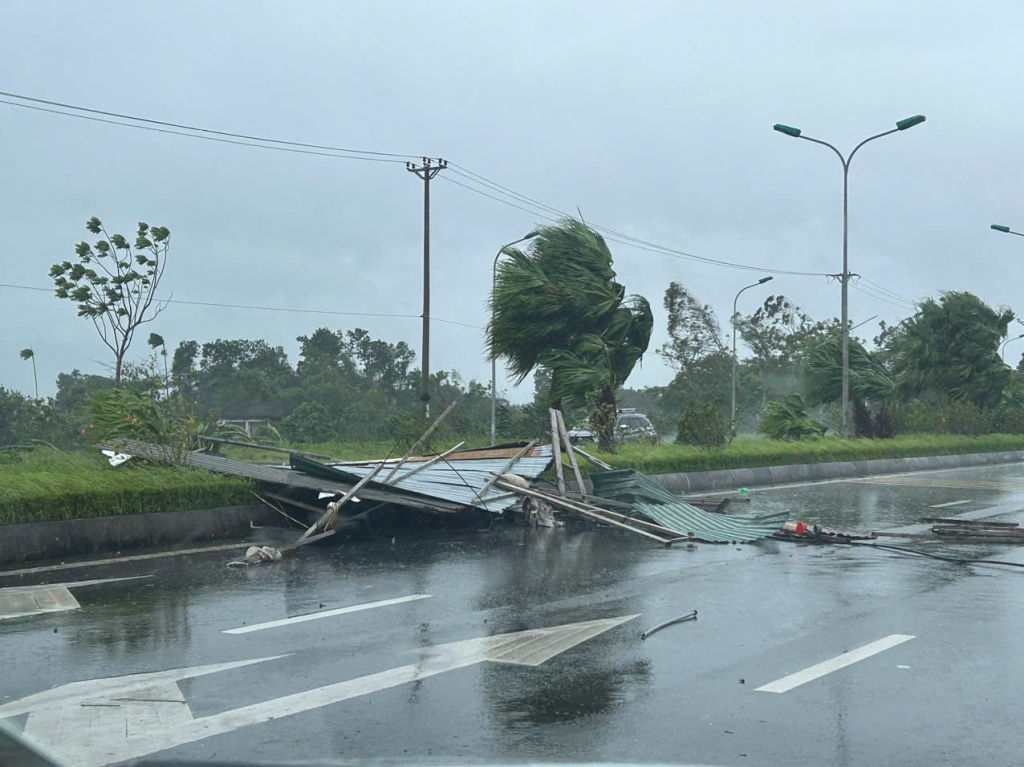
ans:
x=688 y=617
x=597 y=463
x=423 y=465
x=332 y=508
x=419 y=442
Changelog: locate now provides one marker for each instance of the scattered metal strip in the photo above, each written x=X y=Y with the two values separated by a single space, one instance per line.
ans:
x=713 y=528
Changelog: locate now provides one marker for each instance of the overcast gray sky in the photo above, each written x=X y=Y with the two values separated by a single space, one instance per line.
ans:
x=655 y=118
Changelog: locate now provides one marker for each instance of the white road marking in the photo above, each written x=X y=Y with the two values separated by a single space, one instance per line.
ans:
x=951 y=503
x=903 y=667
x=834 y=664
x=93 y=736
x=20 y=601
x=325 y=614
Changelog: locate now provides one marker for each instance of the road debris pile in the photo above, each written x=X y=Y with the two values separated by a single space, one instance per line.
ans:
x=953 y=530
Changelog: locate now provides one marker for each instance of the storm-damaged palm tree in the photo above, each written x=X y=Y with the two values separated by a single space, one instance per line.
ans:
x=557 y=306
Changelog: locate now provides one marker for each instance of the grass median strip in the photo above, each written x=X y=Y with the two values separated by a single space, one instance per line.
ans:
x=45 y=485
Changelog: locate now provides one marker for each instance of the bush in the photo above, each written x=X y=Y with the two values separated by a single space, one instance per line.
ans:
x=885 y=423
x=702 y=425
x=967 y=419
x=863 y=424
x=919 y=418
x=787 y=419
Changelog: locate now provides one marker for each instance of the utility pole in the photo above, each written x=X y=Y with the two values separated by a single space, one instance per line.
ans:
x=426 y=171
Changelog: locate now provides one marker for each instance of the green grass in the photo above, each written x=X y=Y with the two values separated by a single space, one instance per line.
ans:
x=753 y=453
x=47 y=484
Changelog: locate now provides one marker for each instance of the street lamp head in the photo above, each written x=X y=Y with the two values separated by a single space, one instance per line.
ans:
x=763 y=280
x=531 y=235
x=789 y=131
x=910 y=122
x=1000 y=228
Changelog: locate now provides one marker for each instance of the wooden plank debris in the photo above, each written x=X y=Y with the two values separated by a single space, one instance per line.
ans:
x=556 y=451
x=568 y=449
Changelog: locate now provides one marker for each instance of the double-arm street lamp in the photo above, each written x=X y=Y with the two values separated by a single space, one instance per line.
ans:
x=494 y=362
x=732 y=418
x=902 y=125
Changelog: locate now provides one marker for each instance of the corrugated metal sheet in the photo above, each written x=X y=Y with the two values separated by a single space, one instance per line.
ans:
x=714 y=528
x=460 y=481
x=630 y=486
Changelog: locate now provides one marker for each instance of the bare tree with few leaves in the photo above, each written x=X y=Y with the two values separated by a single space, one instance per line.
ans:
x=109 y=288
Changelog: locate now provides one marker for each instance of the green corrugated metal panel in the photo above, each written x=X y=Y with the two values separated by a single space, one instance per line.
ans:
x=715 y=528
x=630 y=486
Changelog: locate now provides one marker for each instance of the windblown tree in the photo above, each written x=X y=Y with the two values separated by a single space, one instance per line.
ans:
x=28 y=354
x=108 y=286
x=951 y=346
x=557 y=306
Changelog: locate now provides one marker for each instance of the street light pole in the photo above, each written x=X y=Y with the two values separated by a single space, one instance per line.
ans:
x=902 y=125
x=494 y=360
x=1002 y=349
x=1005 y=230
x=732 y=418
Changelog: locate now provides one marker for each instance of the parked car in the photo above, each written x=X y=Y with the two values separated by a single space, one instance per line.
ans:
x=630 y=426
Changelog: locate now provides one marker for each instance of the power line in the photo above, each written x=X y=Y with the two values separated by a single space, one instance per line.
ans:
x=204 y=138
x=611 y=234
x=889 y=295
x=879 y=297
x=197 y=128
x=884 y=289
x=271 y=308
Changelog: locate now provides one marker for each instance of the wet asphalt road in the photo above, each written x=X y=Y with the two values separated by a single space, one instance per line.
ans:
x=688 y=694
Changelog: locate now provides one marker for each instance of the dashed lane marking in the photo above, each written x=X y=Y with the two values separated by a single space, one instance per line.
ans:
x=818 y=670
x=325 y=614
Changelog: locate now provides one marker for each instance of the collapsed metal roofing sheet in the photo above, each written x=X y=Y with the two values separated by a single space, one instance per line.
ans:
x=460 y=481
x=714 y=528
x=630 y=486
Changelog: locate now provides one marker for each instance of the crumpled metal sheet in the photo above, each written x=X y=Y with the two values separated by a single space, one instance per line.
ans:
x=630 y=486
x=713 y=528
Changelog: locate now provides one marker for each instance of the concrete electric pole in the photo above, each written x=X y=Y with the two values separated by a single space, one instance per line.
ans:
x=426 y=171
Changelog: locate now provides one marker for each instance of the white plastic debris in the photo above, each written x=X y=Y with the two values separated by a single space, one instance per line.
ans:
x=255 y=555
x=115 y=459
x=515 y=479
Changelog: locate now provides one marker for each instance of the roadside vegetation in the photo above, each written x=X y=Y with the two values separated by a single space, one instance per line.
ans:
x=46 y=484
x=932 y=384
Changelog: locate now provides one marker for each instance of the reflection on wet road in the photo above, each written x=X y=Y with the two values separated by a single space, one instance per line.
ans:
x=528 y=647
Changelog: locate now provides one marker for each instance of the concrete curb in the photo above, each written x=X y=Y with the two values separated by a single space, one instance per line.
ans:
x=83 y=537
x=692 y=482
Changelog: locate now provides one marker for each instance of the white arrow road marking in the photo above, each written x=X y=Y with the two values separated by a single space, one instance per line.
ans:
x=834 y=664
x=325 y=614
x=97 y=739
x=19 y=601
x=950 y=503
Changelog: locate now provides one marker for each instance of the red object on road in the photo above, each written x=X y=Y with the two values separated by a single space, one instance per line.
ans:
x=801 y=528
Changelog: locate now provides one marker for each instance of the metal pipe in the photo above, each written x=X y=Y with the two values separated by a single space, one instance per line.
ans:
x=688 y=617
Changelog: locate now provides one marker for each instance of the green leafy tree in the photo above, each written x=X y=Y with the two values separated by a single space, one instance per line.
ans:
x=951 y=346
x=107 y=285
x=869 y=379
x=558 y=306
x=28 y=354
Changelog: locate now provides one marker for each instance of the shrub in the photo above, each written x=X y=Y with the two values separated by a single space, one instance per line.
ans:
x=885 y=423
x=702 y=425
x=863 y=424
x=787 y=419
x=967 y=419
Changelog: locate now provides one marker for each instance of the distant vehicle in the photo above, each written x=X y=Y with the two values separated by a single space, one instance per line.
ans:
x=630 y=426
